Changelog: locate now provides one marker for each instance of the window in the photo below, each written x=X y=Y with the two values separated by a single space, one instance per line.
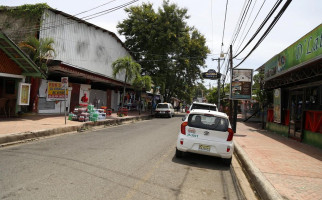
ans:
x=209 y=122
x=162 y=106
x=203 y=107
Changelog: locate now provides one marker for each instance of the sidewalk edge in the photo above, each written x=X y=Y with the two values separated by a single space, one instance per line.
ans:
x=12 y=138
x=264 y=188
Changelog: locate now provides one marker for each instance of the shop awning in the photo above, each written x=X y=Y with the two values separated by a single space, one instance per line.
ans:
x=19 y=57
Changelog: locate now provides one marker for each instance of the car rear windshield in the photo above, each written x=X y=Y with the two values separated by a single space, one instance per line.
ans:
x=203 y=107
x=162 y=106
x=209 y=122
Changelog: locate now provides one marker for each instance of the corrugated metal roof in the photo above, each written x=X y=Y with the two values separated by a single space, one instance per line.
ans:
x=18 y=56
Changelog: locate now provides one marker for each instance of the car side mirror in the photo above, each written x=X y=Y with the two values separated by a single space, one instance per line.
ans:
x=183 y=118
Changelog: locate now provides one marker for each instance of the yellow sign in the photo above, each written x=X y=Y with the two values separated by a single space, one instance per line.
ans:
x=55 y=91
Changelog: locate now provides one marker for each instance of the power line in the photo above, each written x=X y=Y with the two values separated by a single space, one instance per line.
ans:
x=223 y=31
x=251 y=24
x=281 y=12
x=262 y=25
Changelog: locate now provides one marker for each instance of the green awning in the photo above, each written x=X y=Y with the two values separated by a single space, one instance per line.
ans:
x=28 y=67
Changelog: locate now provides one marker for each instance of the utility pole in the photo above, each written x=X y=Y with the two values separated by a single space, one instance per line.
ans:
x=218 y=81
x=232 y=113
x=218 y=87
x=231 y=73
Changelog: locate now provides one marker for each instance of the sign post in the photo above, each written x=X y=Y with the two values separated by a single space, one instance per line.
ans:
x=64 y=84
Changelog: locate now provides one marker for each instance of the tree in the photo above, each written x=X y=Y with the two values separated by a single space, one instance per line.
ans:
x=127 y=66
x=168 y=50
x=139 y=83
x=39 y=50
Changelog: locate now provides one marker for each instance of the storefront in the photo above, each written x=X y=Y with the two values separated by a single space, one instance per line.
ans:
x=17 y=79
x=295 y=78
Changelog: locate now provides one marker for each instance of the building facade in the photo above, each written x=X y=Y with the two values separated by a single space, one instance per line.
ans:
x=84 y=53
x=295 y=78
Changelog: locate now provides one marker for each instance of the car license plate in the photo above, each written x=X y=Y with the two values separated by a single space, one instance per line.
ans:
x=204 y=147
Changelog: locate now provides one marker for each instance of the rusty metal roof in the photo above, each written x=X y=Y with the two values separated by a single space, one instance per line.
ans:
x=28 y=67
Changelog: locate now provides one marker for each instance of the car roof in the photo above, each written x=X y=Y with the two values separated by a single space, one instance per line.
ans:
x=208 y=104
x=216 y=113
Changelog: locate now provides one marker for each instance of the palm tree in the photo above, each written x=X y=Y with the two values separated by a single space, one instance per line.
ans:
x=129 y=67
x=141 y=82
x=38 y=50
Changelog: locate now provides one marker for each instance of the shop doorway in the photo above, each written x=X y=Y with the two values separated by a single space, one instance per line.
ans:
x=296 y=115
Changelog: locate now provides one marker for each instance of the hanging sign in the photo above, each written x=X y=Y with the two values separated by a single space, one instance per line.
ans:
x=211 y=74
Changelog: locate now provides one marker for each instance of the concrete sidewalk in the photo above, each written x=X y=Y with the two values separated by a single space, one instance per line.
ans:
x=279 y=167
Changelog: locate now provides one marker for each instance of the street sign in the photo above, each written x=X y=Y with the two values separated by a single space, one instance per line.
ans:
x=211 y=74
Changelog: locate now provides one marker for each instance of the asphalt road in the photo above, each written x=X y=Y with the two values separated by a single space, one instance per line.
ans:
x=133 y=161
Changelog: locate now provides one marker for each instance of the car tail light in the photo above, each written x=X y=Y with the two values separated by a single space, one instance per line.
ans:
x=228 y=149
x=188 y=111
x=181 y=141
x=230 y=135
x=167 y=111
x=183 y=127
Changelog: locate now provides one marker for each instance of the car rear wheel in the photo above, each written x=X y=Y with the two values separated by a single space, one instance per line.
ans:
x=179 y=154
x=227 y=161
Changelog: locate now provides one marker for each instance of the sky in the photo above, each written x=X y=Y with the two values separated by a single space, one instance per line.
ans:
x=207 y=16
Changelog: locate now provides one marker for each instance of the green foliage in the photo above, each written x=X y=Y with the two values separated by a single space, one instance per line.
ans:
x=168 y=50
x=27 y=11
x=38 y=50
x=212 y=96
x=131 y=69
x=141 y=82
x=128 y=66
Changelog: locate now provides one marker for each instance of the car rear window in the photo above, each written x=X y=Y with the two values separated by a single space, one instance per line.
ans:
x=162 y=106
x=203 y=107
x=209 y=122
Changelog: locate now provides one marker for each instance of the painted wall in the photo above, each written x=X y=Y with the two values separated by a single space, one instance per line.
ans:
x=82 y=46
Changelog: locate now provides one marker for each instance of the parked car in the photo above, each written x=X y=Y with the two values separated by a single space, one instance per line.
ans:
x=206 y=132
x=203 y=106
x=164 y=109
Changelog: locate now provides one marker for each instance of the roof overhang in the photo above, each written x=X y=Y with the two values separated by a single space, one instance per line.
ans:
x=28 y=67
x=65 y=69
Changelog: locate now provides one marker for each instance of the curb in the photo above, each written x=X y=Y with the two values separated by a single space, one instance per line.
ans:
x=264 y=188
x=12 y=138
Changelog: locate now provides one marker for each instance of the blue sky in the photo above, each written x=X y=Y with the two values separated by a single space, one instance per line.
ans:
x=208 y=17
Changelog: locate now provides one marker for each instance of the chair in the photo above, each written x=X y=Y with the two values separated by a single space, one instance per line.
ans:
x=3 y=105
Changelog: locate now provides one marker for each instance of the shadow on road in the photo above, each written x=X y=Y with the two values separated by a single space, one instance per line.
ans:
x=201 y=161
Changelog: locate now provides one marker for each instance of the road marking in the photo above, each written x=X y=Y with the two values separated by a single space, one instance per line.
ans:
x=147 y=175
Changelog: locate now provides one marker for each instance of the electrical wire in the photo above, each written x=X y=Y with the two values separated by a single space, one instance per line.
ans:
x=251 y=25
x=262 y=25
x=249 y=2
x=281 y=12
x=223 y=31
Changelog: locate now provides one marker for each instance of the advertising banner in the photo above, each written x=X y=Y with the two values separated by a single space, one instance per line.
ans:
x=241 y=84
x=24 y=94
x=55 y=92
x=277 y=105
x=303 y=50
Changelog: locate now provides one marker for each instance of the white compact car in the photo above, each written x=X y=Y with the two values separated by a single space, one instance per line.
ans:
x=202 y=106
x=206 y=132
x=164 y=109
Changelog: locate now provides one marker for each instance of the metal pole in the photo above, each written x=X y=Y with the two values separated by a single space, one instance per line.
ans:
x=218 y=88
x=65 y=105
x=231 y=73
